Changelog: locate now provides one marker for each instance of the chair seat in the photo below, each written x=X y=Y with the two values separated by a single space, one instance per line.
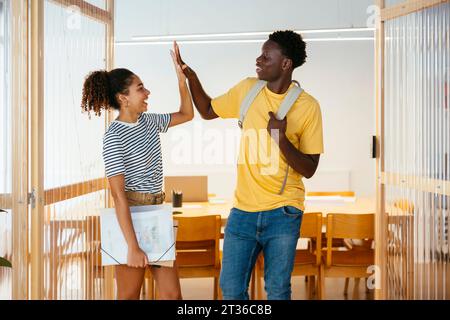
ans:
x=352 y=258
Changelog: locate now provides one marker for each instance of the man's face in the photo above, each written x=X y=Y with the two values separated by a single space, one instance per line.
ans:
x=270 y=63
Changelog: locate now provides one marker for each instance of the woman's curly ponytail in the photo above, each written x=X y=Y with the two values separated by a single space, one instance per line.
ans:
x=101 y=87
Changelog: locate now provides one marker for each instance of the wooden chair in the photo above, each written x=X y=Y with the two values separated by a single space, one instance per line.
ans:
x=400 y=222
x=337 y=242
x=354 y=260
x=197 y=248
x=307 y=261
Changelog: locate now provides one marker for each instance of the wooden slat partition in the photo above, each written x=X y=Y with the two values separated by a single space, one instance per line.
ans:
x=64 y=193
x=60 y=194
x=5 y=201
x=37 y=148
x=17 y=200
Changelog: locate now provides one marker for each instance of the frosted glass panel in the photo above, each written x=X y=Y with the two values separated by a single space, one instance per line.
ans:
x=417 y=148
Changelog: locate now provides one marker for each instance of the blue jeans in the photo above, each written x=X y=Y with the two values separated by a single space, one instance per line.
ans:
x=275 y=233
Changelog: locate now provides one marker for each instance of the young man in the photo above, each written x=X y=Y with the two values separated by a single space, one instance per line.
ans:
x=266 y=217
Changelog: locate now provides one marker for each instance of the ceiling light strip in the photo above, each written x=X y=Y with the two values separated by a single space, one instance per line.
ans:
x=145 y=43
x=243 y=34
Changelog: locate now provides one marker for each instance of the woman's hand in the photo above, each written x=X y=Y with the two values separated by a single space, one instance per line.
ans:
x=188 y=72
x=186 y=112
x=178 y=68
x=136 y=258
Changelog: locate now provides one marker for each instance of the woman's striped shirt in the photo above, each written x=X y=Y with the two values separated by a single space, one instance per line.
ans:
x=135 y=151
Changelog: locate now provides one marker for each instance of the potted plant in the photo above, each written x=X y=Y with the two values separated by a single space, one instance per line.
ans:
x=5 y=263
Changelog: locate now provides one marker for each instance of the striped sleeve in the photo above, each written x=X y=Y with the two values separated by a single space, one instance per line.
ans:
x=113 y=155
x=161 y=121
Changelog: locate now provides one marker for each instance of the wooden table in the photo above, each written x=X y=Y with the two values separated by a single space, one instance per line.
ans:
x=313 y=204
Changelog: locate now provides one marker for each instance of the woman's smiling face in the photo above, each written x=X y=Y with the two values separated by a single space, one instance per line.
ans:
x=137 y=96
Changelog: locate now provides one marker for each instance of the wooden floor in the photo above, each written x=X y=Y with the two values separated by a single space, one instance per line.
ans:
x=202 y=289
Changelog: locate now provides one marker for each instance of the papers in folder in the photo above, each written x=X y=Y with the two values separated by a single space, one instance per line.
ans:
x=154 y=230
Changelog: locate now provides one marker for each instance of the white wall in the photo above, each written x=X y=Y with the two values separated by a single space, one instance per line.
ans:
x=339 y=74
x=158 y=17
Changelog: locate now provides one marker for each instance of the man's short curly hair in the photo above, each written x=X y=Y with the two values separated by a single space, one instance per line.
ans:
x=292 y=46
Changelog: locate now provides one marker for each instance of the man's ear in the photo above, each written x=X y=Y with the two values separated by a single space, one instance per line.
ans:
x=287 y=64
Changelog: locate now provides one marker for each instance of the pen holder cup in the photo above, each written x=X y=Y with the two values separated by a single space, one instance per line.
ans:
x=177 y=200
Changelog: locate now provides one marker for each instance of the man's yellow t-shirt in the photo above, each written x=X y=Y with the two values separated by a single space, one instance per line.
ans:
x=261 y=165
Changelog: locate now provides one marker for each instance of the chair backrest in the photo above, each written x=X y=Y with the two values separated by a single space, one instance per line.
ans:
x=194 y=188
x=348 y=226
x=311 y=225
x=330 y=193
x=198 y=241
x=312 y=228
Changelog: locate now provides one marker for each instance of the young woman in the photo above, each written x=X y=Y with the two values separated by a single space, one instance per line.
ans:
x=133 y=161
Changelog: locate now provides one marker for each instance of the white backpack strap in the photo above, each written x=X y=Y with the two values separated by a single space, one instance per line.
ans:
x=289 y=101
x=285 y=107
x=248 y=100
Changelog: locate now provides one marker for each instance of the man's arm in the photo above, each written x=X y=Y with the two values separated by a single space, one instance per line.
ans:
x=201 y=99
x=305 y=164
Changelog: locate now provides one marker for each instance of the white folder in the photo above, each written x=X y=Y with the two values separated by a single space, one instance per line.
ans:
x=154 y=227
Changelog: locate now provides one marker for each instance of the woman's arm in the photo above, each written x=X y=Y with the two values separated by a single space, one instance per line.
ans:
x=186 y=112
x=201 y=99
x=136 y=257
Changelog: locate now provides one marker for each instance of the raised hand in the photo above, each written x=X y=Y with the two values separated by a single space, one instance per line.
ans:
x=186 y=69
x=180 y=74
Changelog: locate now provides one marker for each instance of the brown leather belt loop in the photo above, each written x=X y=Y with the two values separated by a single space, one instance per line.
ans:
x=146 y=198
